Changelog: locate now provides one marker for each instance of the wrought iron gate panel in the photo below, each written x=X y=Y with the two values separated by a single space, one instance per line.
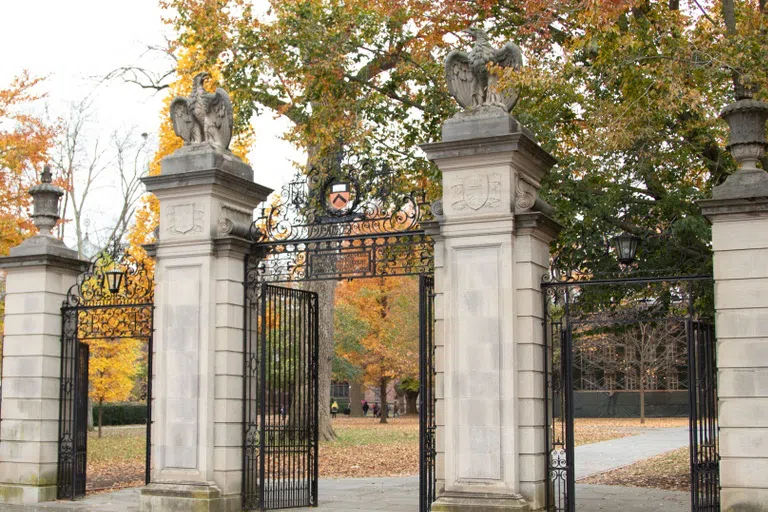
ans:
x=280 y=399
x=92 y=311
x=427 y=426
x=604 y=322
x=705 y=453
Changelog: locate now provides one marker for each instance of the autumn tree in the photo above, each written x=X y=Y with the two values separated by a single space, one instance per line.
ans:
x=111 y=369
x=378 y=330
x=24 y=144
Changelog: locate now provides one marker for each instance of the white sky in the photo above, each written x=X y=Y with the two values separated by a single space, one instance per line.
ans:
x=77 y=42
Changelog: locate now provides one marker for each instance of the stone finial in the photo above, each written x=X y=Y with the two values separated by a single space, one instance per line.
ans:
x=746 y=119
x=45 y=201
x=467 y=73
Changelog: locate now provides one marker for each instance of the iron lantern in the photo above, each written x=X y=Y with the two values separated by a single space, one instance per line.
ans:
x=625 y=246
x=114 y=277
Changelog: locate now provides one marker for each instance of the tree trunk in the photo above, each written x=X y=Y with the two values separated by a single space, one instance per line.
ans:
x=101 y=417
x=383 y=391
x=326 y=292
x=642 y=399
x=90 y=414
x=355 y=399
x=411 y=398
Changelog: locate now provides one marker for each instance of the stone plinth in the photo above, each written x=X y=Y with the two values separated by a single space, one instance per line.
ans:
x=490 y=254
x=40 y=272
x=198 y=362
x=740 y=246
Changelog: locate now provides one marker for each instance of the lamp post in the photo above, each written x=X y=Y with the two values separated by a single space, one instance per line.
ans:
x=625 y=246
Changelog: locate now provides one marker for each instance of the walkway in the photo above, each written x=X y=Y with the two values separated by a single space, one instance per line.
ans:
x=394 y=494
x=604 y=456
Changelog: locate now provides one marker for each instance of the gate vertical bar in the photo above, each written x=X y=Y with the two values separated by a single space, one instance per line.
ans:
x=567 y=357
x=427 y=448
x=81 y=419
x=265 y=297
x=148 y=459
x=314 y=372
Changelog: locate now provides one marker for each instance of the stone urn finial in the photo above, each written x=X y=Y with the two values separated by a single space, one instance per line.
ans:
x=746 y=118
x=45 y=201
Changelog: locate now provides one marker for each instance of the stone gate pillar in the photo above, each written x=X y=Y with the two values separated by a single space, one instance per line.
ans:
x=490 y=255
x=738 y=212
x=206 y=200
x=39 y=273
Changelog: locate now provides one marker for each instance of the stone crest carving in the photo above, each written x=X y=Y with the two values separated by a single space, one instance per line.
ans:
x=477 y=191
x=185 y=218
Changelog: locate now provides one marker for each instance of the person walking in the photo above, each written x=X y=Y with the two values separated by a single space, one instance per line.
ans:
x=365 y=408
x=375 y=410
x=334 y=409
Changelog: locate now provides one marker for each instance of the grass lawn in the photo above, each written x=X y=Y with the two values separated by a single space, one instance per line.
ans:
x=364 y=448
x=670 y=471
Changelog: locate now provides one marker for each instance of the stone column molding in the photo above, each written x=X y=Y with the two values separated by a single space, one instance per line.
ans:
x=490 y=254
x=198 y=361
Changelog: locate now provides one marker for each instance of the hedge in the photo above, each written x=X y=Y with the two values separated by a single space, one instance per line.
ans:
x=121 y=414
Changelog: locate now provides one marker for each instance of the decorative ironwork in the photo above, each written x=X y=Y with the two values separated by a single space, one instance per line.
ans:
x=280 y=404
x=326 y=226
x=91 y=288
x=427 y=424
x=632 y=333
x=91 y=311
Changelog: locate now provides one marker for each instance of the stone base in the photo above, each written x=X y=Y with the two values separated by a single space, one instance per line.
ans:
x=201 y=157
x=481 y=122
x=26 y=494
x=478 y=502
x=187 y=498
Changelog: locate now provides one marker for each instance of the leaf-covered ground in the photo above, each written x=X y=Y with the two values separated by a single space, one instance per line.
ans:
x=669 y=471
x=364 y=448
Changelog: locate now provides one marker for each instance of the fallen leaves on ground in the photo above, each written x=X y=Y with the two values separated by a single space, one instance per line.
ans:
x=116 y=460
x=670 y=471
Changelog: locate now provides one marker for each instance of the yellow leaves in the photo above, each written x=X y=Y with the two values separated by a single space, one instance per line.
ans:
x=111 y=368
x=24 y=143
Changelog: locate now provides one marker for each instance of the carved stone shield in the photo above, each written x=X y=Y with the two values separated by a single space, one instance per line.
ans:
x=184 y=217
x=476 y=191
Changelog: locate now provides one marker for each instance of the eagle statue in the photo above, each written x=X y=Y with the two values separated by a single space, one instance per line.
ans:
x=467 y=74
x=203 y=117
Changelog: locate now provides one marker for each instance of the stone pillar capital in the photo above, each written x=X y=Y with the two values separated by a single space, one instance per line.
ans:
x=716 y=210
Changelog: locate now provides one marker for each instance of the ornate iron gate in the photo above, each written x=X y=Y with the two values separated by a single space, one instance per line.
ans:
x=281 y=404
x=427 y=427
x=618 y=334
x=705 y=458
x=113 y=301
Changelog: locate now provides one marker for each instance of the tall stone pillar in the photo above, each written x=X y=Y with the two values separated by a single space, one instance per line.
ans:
x=206 y=200
x=490 y=255
x=738 y=212
x=39 y=273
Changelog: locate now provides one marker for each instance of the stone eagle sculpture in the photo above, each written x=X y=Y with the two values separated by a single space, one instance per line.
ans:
x=467 y=74
x=203 y=117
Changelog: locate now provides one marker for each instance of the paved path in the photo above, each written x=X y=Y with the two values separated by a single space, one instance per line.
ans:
x=599 y=457
x=394 y=494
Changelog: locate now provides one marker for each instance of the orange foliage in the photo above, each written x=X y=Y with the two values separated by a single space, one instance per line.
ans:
x=377 y=327
x=24 y=142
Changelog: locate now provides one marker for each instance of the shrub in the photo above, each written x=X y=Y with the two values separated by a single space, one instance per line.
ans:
x=121 y=414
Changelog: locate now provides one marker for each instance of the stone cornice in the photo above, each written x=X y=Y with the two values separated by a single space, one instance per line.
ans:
x=207 y=177
x=519 y=142
x=74 y=265
x=232 y=246
x=735 y=207
x=537 y=223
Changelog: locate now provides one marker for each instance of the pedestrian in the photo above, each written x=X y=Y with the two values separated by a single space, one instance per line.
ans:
x=334 y=409
x=375 y=410
x=365 y=408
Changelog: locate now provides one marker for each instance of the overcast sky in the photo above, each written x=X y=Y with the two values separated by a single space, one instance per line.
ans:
x=75 y=43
